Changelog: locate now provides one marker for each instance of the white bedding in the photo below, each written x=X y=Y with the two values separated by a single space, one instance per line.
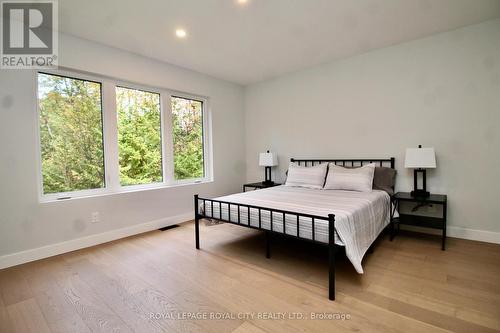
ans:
x=359 y=216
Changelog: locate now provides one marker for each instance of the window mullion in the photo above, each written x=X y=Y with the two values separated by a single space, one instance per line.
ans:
x=207 y=142
x=168 y=139
x=110 y=137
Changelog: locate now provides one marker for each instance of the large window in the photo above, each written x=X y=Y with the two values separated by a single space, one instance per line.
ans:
x=139 y=136
x=100 y=136
x=187 y=120
x=71 y=138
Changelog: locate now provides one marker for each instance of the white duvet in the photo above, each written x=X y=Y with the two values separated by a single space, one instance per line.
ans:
x=359 y=216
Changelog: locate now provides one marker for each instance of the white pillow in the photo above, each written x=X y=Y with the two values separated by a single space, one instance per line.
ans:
x=351 y=179
x=311 y=177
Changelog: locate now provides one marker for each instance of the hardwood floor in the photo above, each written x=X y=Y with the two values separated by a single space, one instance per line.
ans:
x=158 y=282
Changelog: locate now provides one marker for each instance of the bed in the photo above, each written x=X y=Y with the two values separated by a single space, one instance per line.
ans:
x=334 y=218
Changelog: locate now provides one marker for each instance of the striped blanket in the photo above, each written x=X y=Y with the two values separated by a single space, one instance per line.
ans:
x=359 y=216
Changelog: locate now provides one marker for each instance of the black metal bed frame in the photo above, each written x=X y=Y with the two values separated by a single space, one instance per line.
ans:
x=331 y=217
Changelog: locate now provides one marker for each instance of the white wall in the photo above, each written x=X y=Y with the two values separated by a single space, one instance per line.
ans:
x=27 y=224
x=442 y=92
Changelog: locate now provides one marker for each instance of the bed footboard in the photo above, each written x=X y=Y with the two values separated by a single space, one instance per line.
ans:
x=200 y=214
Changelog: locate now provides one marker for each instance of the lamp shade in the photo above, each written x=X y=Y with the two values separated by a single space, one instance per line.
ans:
x=420 y=158
x=268 y=159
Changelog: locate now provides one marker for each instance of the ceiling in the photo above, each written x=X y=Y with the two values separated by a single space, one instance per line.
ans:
x=263 y=38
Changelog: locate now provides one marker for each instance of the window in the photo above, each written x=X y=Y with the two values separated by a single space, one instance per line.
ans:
x=187 y=120
x=71 y=137
x=139 y=136
x=100 y=136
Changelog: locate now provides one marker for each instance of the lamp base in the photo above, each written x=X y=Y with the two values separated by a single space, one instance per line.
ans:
x=267 y=181
x=420 y=194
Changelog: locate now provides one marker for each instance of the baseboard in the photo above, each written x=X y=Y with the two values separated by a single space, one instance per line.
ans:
x=83 y=242
x=463 y=233
x=473 y=234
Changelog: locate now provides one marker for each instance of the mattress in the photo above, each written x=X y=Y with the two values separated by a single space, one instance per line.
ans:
x=359 y=216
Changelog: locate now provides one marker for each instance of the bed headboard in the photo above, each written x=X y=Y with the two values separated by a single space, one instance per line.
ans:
x=386 y=162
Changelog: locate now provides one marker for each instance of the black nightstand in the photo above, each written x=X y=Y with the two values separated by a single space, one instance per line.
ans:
x=259 y=185
x=429 y=212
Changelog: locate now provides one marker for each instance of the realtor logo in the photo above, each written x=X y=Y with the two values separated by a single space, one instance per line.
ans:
x=29 y=34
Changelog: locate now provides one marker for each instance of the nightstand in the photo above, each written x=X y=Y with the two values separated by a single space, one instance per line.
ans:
x=427 y=212
x=259 y=185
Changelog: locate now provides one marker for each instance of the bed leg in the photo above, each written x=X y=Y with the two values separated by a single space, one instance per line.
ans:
x=391 y=222
x=196 y=222
x=331 y=256
x=268 y=244
x=392 y=230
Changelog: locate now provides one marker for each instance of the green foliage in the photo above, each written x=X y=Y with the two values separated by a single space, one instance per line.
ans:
x=188 y=138
x=72 y=139
x=139 y=136
x=71 y=134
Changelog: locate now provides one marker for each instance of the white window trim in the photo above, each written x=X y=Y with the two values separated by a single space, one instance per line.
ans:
x=110 y=139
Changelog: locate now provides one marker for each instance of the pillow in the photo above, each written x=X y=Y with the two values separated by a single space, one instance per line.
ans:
x=384 y=179
x=351 y=179
x=311 y=177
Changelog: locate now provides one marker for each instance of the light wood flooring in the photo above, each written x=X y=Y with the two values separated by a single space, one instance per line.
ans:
x=139 y=283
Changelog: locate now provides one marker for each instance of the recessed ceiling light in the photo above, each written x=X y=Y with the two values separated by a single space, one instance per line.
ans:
x=181 y=33
x=242 y=2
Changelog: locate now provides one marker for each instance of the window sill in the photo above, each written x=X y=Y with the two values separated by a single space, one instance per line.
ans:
x=123 y=190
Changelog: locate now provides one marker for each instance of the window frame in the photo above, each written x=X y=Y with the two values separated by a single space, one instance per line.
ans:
x=203 y=133
x=109 y=118
x=162 y=136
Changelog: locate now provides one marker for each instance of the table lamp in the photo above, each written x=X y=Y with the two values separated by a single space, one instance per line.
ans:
x=268 y=160
x=420 y=159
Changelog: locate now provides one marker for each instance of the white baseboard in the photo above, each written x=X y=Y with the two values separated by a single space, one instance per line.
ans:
x=459 y=232
x=80 y=243
x=473 y=234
